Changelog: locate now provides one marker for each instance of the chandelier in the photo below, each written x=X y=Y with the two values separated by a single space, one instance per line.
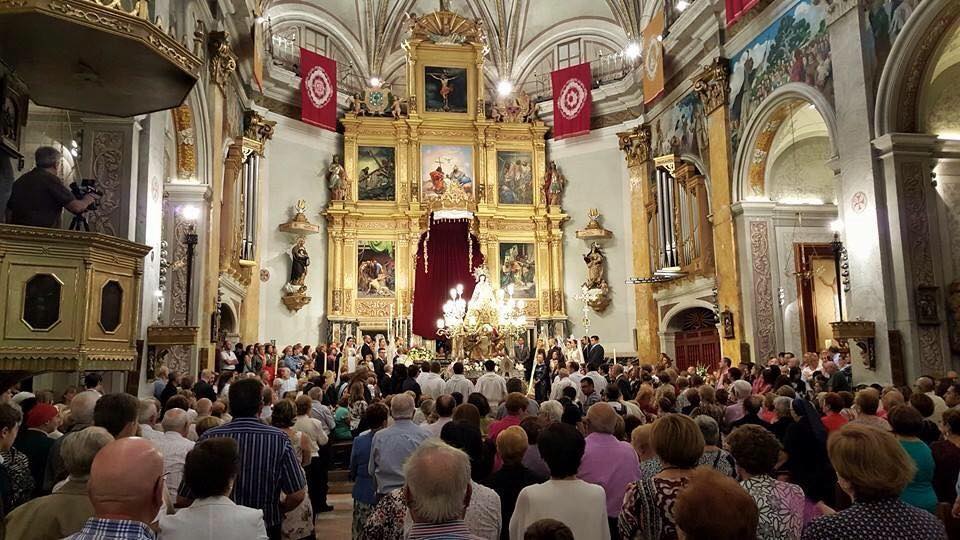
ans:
x=478 y=328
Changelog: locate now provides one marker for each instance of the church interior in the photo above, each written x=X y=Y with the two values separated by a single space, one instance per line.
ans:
x=739 y=184
x=689 y=180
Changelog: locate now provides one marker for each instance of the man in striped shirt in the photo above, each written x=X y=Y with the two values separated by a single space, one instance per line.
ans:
x=268 y=464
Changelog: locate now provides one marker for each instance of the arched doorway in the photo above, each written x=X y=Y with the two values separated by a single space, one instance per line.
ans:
x=696 y=339
x=228 y=324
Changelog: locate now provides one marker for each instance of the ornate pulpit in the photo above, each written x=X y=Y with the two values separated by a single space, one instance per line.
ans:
x=71 y=301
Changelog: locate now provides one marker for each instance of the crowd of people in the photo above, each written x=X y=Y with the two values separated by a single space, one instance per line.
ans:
x=583 y=447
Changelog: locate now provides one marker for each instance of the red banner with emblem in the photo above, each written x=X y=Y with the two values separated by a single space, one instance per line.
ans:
x=571 y=101
x=738 y=8
x=318 y=90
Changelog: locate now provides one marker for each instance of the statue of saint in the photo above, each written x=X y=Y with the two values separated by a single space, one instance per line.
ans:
x=301 y=260
x=337 y=180
x=594 y=260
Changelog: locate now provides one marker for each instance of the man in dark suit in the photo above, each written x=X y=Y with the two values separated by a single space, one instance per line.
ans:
x=585 y=347
x=521 y=354
x=203 y=388
x=367 y=348
x=556 y=347
x=594 y=353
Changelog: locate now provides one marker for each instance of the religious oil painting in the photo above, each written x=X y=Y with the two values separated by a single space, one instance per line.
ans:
x=515 y=177
x=445 y=89
x=794 y=49
x=442 y=165
x=376 y=269
x=376 y=179
x=681 y=129
x=518 y=267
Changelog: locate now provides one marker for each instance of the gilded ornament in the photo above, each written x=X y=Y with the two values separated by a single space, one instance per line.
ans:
x=222 y=60
x=713 y=85
x=636 y=145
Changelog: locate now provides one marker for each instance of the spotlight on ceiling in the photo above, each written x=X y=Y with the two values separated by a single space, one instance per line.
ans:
x=632 y=51
x=682 y=5
x=375 y=82
x=504 y=87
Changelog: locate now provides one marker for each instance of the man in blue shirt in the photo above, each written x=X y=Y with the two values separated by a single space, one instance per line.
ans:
x=392 y=446
x=127 y=484
x=268 y=464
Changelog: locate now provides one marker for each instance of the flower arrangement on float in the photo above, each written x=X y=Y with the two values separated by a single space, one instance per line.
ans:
x=418 y=355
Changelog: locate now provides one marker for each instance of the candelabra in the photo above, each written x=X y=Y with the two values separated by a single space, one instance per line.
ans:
x=480 y=326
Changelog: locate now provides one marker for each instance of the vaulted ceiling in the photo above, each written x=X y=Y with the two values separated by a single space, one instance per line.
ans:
x=523 y=34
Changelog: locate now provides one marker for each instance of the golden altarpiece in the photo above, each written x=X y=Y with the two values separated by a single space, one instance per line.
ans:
x=439 y=133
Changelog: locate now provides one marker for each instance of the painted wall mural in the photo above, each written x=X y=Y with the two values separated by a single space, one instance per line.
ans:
x=795 y=48
x=681 y=129
x=884 y=21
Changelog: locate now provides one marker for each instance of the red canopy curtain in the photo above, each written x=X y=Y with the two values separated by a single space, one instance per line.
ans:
x=443 y=262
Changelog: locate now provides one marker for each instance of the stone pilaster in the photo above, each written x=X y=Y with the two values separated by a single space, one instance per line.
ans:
x=860 y=192
x=713 y=87
x=110 y=156
x=917 y=300
x=636 y=145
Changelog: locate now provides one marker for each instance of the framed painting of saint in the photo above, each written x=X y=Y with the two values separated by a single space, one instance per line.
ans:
x=376 y=269
x=376 y=176
x=441 y=164
x=445 y=89
x=518 y=267
x=515 y=177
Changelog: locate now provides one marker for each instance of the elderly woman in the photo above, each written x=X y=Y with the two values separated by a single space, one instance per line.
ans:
x=805 y=444
x=907 y=425
x=714 y=456
x=781 y=504
x=873 y=469
x=551 y=411
x=783 y=407
x=64 y=512
x=642 y=445
x=513 y=476
x=647 y=504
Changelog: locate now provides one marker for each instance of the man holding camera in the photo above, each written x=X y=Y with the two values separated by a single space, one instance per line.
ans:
x=39 y=196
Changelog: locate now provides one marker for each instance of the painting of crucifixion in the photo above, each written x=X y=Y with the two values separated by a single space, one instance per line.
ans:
x=442 y=164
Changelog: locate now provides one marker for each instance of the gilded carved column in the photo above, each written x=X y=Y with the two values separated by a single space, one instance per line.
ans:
x=713 y=87
x=232 y=166
x=636 y=145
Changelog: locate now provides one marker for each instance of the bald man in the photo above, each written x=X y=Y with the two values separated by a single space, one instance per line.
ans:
x=126 y=490
x=608 y=462
x=81 y=415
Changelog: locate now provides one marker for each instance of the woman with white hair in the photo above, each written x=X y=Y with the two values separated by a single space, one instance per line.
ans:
x=714 y=456
x=551 y=411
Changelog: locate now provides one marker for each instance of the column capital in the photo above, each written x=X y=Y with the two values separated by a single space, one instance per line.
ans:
x=838 y=8
x=713 y=84
x=636 y=145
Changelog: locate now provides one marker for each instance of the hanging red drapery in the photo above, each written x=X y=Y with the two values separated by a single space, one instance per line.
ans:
x=447 y=254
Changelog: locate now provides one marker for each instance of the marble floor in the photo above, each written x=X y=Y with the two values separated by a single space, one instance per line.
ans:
x=336 y=525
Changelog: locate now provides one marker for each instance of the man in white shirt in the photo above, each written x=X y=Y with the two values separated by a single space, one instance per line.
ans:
x=925 y=385
x=492 y=386
x=443 y=406
x=599 y=381
x=228 y=358
x=458 y=383
x=556 y=390
x=288 y=383
x=148 y=419
x=174 y=445
x=431 y=383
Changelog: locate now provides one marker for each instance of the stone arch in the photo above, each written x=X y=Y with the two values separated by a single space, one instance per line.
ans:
x=671 y=324
x=228 y=321
x=750 y=165
x=905 y=71
x=701 y=166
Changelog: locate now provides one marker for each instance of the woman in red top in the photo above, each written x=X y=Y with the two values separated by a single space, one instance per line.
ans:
x=832 y=405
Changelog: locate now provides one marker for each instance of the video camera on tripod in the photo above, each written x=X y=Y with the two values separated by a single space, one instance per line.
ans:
x=87 y=186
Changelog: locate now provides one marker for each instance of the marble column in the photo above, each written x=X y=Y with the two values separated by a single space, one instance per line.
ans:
x=713 y=87
x=636 y=145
